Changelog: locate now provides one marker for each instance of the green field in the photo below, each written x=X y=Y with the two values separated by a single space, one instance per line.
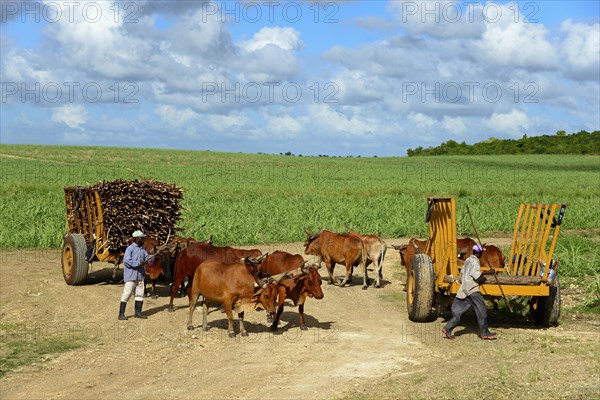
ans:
x=251 y=199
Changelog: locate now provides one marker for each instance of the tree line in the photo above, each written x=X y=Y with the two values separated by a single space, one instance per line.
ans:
x=582 y=142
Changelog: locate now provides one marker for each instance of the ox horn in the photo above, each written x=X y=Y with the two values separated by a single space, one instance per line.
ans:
x=304 y=268
x=315 y=266
x=260 y=283
x=276 y=279
x=307 y=232
x=254 y=260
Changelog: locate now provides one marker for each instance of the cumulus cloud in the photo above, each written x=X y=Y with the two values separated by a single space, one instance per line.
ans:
x=507 y=43
x=421 y=120
x=454 y=125
x=73 y=115
x=283 y=125
x=284 y=38
x=232 y=121
x=175 y=117
x=581 y=49
x=512 y=123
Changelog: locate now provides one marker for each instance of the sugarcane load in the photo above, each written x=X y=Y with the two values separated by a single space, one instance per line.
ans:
x=102 y=217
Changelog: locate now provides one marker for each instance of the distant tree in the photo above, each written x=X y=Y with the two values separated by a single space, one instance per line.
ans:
x=582 y=142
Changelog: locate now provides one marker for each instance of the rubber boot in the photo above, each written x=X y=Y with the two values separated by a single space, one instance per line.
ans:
x=485 y=332
x=138 y=310
x=122 y=316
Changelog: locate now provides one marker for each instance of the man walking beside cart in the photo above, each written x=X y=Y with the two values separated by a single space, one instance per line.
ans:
x=469 y=296
x=134 y=271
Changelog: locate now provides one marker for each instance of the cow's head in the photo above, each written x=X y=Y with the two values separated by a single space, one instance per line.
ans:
x=312 y=281
x=312 y=246
x=266 y=297
x=267 y=293
x=402 y=250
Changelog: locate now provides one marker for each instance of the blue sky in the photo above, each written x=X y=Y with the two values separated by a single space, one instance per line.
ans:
x=339 y=78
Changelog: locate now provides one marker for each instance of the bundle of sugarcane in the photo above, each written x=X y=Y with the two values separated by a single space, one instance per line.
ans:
x=150 y=206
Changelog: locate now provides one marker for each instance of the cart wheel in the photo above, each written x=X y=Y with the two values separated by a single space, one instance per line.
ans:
x=75 y=267
x=546 y=310
x=419 y=288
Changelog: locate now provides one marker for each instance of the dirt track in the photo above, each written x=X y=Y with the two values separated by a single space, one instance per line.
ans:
x=355 y=339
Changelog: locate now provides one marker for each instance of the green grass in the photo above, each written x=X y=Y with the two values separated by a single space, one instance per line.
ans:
x=579 y=255
x=21 y=346
x=252 y=199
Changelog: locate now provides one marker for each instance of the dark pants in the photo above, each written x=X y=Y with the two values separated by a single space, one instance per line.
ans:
x=460 y=306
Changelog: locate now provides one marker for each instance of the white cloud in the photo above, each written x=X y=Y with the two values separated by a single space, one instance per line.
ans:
x=455 y=125
x=581 y=48
x=73 y=115
x=283 y=125
x=516 y=44
x=512 y=123
x=421 y=120
x=284 y=38
x=175 y=117
x=224 y=123
x=343 y=120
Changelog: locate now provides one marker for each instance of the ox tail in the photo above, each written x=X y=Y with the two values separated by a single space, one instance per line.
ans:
x=380 y=263
x=382 y=254
x=364 y=254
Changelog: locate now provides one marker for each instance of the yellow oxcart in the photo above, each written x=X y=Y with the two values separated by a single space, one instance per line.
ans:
x=525 y=274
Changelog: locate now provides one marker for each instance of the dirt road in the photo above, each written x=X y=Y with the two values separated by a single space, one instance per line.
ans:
x=359 y=343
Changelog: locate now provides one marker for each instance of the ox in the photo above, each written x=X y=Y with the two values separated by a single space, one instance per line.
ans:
x=161 y=263
x=297 y=288
x=492 y=256
x=152 y=269
x=376 y=249
x=193 y=255
x=233 y=286
x=334 y=248
x=408 y=251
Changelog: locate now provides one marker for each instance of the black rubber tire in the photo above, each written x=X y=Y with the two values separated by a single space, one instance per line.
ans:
x=74 y=264
x=420 y=288
x=546 y=310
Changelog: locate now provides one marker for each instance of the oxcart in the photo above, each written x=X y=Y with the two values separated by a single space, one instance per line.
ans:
x=93 y=234
x=530 y=269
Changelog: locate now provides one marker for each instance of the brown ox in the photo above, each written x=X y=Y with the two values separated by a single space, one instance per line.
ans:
x=152 y=270
x=376 y=249
x=297 y=289
x=195 y=254
x=163 y=256
x=333 y=248
x=232 y=285
x=408 y=251
x=492 y=257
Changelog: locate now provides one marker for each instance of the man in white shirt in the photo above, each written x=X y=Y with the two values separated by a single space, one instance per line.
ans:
x=469 y=295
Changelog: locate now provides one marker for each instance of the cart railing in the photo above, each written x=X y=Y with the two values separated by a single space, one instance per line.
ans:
x=84 y=216
x=531 y=251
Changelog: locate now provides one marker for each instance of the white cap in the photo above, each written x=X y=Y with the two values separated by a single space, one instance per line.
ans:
x=138 y=234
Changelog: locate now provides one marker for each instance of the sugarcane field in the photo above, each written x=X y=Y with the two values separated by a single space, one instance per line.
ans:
x=62 y=338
